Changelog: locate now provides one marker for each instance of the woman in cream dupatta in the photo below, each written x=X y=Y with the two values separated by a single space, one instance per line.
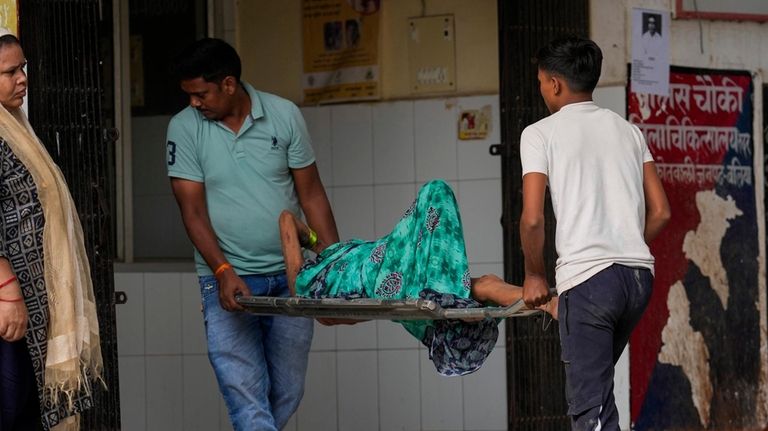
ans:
x=49 y=336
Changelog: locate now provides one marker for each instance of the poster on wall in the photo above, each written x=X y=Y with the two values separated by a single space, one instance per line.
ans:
x=650 y=51
x=695 y=357
x=341 y=50
x=9 y=15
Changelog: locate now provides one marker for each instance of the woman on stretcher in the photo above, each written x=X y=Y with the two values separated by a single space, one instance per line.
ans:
x=423 y=257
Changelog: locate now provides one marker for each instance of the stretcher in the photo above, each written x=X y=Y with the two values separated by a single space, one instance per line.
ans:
x=370 y=309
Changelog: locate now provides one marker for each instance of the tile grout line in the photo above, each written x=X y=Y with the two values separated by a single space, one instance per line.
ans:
x=144 y=331
x=338 y=401
x=415 y=143
x=330 y=145
x=421 y=391
x=374 y=186
x=378 y=388
x=454 y=118
x=181 y=345
x=463 y=406
x=335 y=331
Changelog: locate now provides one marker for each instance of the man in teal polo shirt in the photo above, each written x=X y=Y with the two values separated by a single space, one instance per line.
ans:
x=237 y=157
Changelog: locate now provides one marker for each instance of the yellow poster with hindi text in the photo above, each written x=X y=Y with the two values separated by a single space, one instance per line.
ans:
x=9 y=15
x=341 y=50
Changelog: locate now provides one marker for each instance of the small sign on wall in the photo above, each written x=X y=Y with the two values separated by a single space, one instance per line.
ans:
x=431 y=54
x=474 y=123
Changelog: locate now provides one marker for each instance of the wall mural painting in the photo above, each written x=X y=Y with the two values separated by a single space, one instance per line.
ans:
x=698 y=357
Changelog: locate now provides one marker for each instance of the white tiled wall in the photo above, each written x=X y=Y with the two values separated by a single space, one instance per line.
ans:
x=166 y=382
x=373 y=375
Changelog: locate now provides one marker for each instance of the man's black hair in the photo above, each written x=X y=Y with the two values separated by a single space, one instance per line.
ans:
x=208 y=58
x=575 y=59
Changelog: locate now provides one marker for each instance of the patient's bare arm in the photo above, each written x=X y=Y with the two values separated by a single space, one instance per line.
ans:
x=294 y=235
x=289 y=236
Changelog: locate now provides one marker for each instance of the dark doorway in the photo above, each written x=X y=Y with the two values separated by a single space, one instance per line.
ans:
x=159 y=30
x=536 y=381
x=69 y=48
x=174 y=23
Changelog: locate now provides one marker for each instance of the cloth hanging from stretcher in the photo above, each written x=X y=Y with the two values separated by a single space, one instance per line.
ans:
x=456 y=347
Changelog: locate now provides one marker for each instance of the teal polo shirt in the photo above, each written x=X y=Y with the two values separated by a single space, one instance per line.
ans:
x=247 y=176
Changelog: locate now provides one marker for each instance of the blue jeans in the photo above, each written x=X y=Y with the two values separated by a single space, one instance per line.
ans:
x=260 y=361
x=596 y=320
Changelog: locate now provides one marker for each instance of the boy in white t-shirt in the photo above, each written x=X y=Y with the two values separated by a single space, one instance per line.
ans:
x=609 y=204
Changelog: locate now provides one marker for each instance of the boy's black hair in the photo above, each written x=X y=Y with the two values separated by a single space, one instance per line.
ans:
x=208 y=58
x=575 y=59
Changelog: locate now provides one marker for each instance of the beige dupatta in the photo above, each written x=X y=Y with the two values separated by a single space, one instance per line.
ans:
x=74 y=358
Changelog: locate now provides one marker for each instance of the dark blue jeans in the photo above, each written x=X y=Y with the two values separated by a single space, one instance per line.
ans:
x=596 y=320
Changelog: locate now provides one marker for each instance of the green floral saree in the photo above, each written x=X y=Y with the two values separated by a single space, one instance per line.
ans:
x=423 y=257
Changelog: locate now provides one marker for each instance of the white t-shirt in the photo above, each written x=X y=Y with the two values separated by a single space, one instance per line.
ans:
x=593 y=160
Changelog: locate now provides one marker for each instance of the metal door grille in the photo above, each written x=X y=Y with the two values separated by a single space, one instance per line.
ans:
x=68 y=44
x=535 y=377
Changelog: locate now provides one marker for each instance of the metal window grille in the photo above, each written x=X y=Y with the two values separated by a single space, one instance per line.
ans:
x=68 y=44
x=536 y=380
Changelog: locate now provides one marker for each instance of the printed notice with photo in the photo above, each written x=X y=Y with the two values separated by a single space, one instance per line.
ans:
x=650 y=51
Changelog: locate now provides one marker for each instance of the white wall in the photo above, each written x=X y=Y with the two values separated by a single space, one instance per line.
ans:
x=372 y=158
x=693 y=43
x=279 y=23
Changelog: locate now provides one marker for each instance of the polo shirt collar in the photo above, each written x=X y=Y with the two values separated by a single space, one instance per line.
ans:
x=257 y=110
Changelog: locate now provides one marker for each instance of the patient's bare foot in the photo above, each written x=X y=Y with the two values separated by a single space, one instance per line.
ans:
x=487 y=288
x=490 y=288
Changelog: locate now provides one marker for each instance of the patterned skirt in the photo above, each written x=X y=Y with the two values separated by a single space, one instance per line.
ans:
x=423 y=257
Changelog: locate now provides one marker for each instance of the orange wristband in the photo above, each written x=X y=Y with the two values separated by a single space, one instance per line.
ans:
x=223 y=267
